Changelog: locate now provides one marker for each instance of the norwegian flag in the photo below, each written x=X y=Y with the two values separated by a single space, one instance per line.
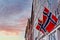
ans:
x=49 y=22
x=38 y=27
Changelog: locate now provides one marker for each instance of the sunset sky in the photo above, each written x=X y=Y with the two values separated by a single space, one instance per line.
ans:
x=13 y=18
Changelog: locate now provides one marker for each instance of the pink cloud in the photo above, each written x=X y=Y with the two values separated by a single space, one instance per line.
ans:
x=15 y=28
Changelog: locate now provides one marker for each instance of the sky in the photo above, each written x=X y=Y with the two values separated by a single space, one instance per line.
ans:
x=14 y=15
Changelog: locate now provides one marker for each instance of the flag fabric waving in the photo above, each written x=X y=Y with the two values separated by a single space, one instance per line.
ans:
x=49 y=21
x=38 y=27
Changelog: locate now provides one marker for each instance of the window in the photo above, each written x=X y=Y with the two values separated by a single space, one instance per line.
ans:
x=49 y=3
x=52 y=37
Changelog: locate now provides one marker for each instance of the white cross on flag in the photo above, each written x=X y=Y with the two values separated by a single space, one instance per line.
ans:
x=49 y=22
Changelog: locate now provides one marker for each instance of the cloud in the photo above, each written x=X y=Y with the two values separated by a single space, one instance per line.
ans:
x=14 y=15
x=19 y=26
x=9 y=7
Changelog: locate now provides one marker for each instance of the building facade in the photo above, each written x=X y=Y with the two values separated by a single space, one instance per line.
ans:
x=29 y=31
x=38 y=7
x=37 y=12
x=29 y=28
